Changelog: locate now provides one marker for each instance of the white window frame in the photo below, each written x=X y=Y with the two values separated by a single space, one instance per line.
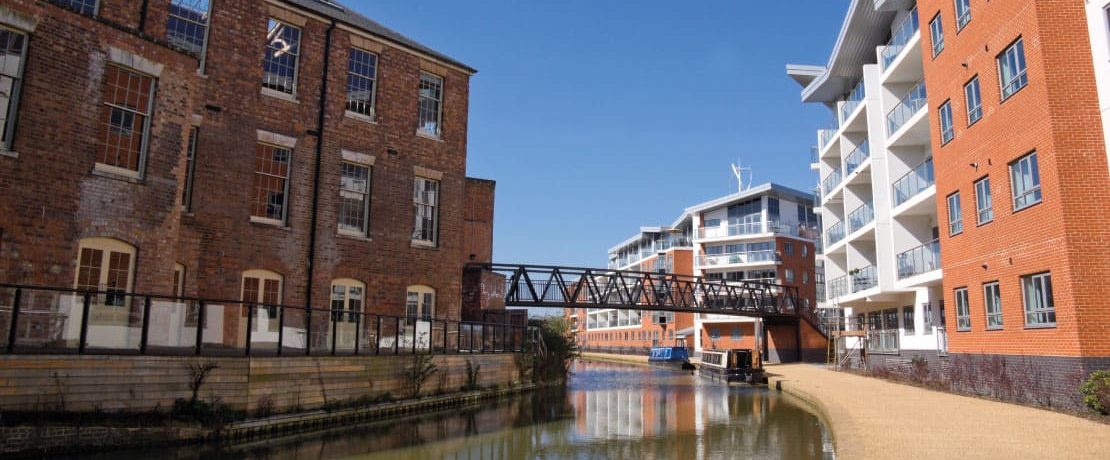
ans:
x=1037 y=300
x=1013 y=55
x=992 y=305
x=963 y=310
x=111 y=305
x=206 y=16
x=67 y=5
x=147 y=114
x=285 y=198
x=371 y=105
x=433 y=78
x=1025 y=181
x=8 y=129
x=974 y=101
x=348 y=289
x=984 y=204
x=345 y=192
x=422 y=309
x=270 y=38
x=947 y=128
x=425 y=207
x=963 y=14
x=271 y=308
x=936 y=34
x=955 y=214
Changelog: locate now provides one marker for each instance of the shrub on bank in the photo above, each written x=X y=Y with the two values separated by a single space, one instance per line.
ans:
x=1096 y=392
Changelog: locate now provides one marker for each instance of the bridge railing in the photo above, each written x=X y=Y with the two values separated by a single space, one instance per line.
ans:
x=35 y=319
x=575 y=287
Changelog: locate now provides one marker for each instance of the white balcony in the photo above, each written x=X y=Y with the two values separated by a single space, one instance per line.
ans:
x=742 y=259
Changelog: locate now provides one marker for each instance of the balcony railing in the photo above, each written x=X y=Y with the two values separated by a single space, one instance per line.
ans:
x=855 y=98
x=914 y=182
x=857 y=157
x=737 y=258
x=900 y=38
x=882 y=341
x=864 y=278
x=831 y=181
x=922 y=259
x=835 y=233
x=860 y=217
x=838 y=287
x=913 y=101
x=824 y=136
x=814 y=154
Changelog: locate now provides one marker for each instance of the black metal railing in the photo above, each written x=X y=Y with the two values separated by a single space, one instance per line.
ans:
x=35 y=319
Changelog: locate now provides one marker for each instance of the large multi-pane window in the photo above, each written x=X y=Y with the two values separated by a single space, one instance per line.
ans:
x=431 y=104
x=190 y=170
x=124 y=119
x=1040 y=309
x=188 y=24
x=992 y=304
x=908 y=320
x=426 y=202
x=963 y=310
x=1025 y=181
x=271 y=182
x=13 y=48
x=346 y=300
x=420 y=302
x=1011 y=69
x=279 y=65
x=947 y=132
x=106 y=266
x=984 y=207
x=936 y=31
x=354 y=199
x=362 y=74
x=955 y=215
x=963 y=13
x=263 y=289
x=81 y=6
x=974 y=101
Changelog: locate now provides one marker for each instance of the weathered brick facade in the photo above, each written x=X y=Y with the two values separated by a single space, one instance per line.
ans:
x=52 y=194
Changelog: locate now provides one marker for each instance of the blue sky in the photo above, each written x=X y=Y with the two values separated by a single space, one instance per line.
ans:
x=598 y=117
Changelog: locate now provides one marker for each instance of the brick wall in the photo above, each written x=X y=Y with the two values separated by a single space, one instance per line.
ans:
x=1056 y=115
x=53 y=198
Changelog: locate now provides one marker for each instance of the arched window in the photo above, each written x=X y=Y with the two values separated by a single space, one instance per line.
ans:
x=346 y=295
x=420 y=302
x=263 y=287
x=108 y=265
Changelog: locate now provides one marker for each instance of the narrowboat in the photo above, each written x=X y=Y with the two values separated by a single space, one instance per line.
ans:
x=731 y=366
x=676 y=357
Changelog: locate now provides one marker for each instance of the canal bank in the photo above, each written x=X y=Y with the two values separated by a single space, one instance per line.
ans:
x=862 y=414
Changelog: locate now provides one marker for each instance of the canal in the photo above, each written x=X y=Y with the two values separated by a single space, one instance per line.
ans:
x=608 y=411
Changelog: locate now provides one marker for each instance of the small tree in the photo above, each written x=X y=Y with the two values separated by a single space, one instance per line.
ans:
x=198 y=372
x=561 y=349
x=418 y=372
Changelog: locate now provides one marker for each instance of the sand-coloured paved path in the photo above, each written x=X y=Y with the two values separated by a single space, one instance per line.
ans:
x=876 y=419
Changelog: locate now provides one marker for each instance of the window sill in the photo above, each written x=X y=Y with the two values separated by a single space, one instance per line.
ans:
x=996 y=328
x=1015 y=93
x=424 y=244
x=271 y=223
x=1040 y=326
x=1030 y=205
x=353 y=236
x=8 y=153
x=112 y=172
x=360 y=117
x=432 y=137
x=280 y=95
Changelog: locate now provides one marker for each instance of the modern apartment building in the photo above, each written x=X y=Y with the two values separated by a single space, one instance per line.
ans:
x=270 y=151
x=1011 y=125
x=763 y=234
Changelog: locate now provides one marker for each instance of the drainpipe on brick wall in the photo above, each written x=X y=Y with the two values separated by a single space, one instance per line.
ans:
x=142 y=16
x=316 y=189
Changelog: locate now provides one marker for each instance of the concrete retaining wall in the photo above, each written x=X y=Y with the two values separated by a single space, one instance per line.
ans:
x=144 y=383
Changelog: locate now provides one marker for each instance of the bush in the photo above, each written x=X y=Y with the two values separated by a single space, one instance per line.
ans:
x=1096 y=392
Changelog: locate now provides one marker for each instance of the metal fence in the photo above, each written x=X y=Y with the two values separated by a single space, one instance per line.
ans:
x=50 y=320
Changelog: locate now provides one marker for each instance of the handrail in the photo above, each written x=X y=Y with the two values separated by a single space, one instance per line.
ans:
x=861 y=216
x=864 y=278
x=835 y=233
x=831 y=181
x=857 y=157
x=853 y=101
x=921 y=259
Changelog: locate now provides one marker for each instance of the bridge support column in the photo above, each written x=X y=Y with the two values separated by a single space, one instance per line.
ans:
x=481 y=290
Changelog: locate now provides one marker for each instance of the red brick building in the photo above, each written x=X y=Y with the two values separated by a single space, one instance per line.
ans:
x=289 y=152
x=1015 y=111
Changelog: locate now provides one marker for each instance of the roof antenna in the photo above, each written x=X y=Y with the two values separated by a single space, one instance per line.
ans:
x=742 y=185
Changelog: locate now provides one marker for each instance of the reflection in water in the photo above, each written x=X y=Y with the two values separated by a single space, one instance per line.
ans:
x=609 y=411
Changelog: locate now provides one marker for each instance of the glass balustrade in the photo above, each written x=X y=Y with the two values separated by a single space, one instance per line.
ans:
x=852 y=102
x=838 y=287
x=857 y=157
x=913 y=101
x=901 y=37
x=860 y=217
x=922 y=259
x=835 y=233
x=864 y=278
x=831 y=181
x=914 y=182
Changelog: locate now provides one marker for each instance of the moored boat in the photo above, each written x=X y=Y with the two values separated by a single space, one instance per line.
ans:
x=737 y=365
x=676 y=357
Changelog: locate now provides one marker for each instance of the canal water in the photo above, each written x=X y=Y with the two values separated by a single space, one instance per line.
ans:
x=613 y=411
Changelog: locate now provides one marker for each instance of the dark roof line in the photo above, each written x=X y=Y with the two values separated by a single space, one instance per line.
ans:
x=343 y=14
